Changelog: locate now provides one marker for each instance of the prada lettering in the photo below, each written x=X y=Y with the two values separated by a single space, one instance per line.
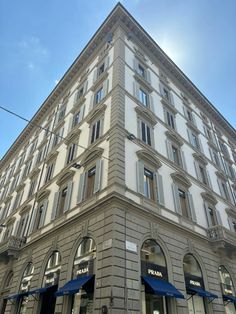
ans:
x=155 y=273
x=195 y=283
x=82 y=271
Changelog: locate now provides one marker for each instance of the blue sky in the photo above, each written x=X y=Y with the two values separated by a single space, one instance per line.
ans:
x=40 y=39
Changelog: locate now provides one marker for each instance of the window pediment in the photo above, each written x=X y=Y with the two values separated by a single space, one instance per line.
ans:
x=149 y=158
x=65 y=176
x=231 y=212
x=144 y=113
x=221 y=175
x=200 y=158
x=180 y=178
x=43 y=194
x=91 y=156
x=174 y=138
x=10 y=220
x=96 y=112
x=73 y=136
x=52 y=156
x=209 y=198
x=25 y=209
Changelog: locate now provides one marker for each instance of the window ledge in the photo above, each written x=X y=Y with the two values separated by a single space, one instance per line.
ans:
x=169 y=105
x=144 y=82
x=99 y=80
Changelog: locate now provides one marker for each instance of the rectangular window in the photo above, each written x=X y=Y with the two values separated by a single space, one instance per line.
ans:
x=18 y=199
x=99 y=95
x=170 y=119
x=39 y=216
x=71 y=153
x=32 y=188
x=176 y=155
x=224 y=148
x=166 y=94
x=203 y=175
x=101 y=69
x=141 y=70
x=90 y=182
x=148 y=184
x=212 y=216
x=62 y=200
x=61 y=113
x=58 y=137
x=143 y=97
x=27 y=168
x=40 y=155
x=183 y=203
x=223 y=189
x=96 y=129
x=76 y=119
x=49 y=172
x=145 y=133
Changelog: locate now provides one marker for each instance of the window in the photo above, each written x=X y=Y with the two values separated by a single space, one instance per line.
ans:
x=212 y=215
x=61 y=113
x=99 y=95
x=57 y=137
x=166 y=94
x=51 y=276
x=62 y=200
x=18 y=199
x=174 y=151
x=143 y=97
x=27 y=169
x=41 y=154
x=71 y=152
x=223 y=187
x=95 y=131
x=145 y=133
x=78 y=116
x=149 y=182
x=227 y=289
x=183 y=201
x=38 y=216
x=229 y=170
x=215 y=157
x=81 y=90
x=194 y=139
x=202 y=172
x=141 y=70
x=224 y=148
x=234 y=156
x=189 y=115
x=49 y=171
x=8 y=232
x=22 y=227
x=15 y=181
x=170 y=119
x=101 y=68
x=33 y=146
x=90 y=182
x=32 y=187
x=6 y=210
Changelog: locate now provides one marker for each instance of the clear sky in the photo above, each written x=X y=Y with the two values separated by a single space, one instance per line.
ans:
x=39 y=40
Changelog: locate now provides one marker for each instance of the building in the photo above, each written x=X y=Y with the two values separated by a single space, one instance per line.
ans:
x=119 y=196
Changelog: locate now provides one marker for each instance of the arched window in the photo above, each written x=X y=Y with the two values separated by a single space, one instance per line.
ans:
x=81 y=288
x=228 y=291
x=23 y=297
x=196 y=293
x=155 y=286
x=50 y=283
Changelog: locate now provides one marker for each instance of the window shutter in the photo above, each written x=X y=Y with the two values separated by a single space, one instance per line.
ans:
x=140 y=179
x=177 y=204
x=151 y=103
x=208 y=218
x=230 y=193
x=172 y=99
x=70 y=124
x=191 y=207
x=135 y=64
x=55 y=205
x=220 y=188
x=208 y=179
x=85 y=86
x=106 y=62
x=196 y=166
x=152 y=136
x=183 y=160
x=218 y=217
x=160 y=190
x=185 y=112
x=194 y=119
x=161 y=89
x=214 y=139
x=149 y=76
x=33 y=216
x=231 y=226
x=51 y=143
x=81 y=188
x=15 y=231
x=222 y=166
x=200 y=144
x=42 y=218
x=169 y=150
x=211 y=154
x=75 y=97
x=205 y=131
x=189 y=137
x=25 y=226
x=95 y=75
x=68 y=196
x=81 y=113
x=91 y=101
x=106 y=87
x=136 y=89
x=98 y=176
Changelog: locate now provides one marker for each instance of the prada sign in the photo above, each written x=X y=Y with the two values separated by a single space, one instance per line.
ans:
x=194 y=281
x=85 y=268
x=150 y=269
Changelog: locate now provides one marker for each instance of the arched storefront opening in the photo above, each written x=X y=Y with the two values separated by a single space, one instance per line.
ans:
x=22 y=298
x=51 y=277
x=196 y=293
x=228 y=291
x=80 y=290
x=155 y=289
x=5 y=291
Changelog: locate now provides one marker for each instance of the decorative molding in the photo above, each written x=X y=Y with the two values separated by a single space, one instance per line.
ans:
x=91 y=156
x=149 y=158
x=146 y=114
x=183 y=180
x=96 y=112
x=209 y=198
x=84 y=229
x=65 y=176
x=200 y=158
x=174 y=137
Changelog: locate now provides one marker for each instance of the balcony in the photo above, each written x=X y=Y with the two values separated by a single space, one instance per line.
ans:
x=10 y=247
x=222 y=239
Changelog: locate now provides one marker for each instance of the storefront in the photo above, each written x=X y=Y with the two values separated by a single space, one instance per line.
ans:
x=228 y=291
x=156 y=290
x=197 y=296
x=80 y=290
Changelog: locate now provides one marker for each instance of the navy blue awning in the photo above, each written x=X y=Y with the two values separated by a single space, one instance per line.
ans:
x=39 y=290
x=73 y=286
x=230 y=298
x=161 y=287
x=201 y=292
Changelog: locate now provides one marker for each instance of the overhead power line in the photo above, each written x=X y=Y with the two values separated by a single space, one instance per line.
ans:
x=45 y=129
